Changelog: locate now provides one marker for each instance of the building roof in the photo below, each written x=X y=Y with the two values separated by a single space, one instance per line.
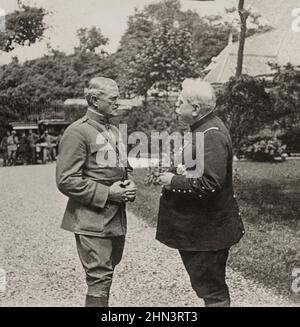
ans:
x=23 y=125
x=280 y=45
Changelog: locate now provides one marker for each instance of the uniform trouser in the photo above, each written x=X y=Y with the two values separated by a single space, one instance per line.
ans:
x=32 y=154
x=4 y=156
x=99 y=256
x=11 y=155
x=206 y=270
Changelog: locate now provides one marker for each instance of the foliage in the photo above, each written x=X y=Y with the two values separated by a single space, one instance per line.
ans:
x=155 y=115
x=164 y=62
x=149 y=36
x=284 y=89
x=154 y=33
x=245 y=107
x=286 y=92
x=291 y=138
x=264 y=146
x=90 y=39
x=31 y=88
x=23 y=27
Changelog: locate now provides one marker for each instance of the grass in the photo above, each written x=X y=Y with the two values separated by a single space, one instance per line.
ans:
x=268 y=196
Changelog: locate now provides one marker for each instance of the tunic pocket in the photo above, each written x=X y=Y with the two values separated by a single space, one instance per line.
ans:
x=91 y=220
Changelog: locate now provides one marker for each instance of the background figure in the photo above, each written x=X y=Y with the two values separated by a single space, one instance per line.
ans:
x=23 y=152
x=199 y=216
x=58 y=139
x=48 y=146
x=32 y=140
x=12 y=146
x=3 y=148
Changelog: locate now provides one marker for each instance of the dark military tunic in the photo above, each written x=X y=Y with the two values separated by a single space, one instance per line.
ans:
x=201 y=214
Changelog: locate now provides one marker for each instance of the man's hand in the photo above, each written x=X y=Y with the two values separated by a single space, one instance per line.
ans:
x=130 y=190
x=118 y=192
x=165 y=179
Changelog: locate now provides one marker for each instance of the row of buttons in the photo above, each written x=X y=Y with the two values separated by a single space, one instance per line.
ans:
x=183 y=191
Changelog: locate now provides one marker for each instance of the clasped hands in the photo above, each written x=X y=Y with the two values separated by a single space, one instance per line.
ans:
x=122 y=191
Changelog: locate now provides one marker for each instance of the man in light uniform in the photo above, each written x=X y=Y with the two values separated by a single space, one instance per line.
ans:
x=97 y=190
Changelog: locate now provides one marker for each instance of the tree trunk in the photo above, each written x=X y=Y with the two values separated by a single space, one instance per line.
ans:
x=244 y=16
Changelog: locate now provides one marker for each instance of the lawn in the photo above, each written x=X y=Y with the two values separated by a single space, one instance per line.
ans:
x=268 y=195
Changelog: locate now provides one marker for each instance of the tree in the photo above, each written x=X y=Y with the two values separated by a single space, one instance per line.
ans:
x=90 y=39
x=244 y=14
x=40 y=86
x=245 y=107
x=151 y=35
x=24 y=26
x=139 y=29
x=207 y=37
x=163 y=63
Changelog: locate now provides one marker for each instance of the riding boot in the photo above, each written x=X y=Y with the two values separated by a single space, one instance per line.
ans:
x=93 y=301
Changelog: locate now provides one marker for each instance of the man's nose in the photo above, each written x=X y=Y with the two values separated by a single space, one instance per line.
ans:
x=117 y=104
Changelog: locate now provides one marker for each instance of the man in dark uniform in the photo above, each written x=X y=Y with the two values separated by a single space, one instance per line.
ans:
x=97 y=188
x=199 y=216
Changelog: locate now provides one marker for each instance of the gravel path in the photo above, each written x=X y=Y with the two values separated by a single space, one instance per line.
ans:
x=42 y=265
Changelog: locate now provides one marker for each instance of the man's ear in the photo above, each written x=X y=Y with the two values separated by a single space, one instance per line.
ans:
x=196 y=110
x=94 y=101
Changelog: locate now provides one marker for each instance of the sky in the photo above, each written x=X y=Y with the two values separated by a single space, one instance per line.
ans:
x=67 y=16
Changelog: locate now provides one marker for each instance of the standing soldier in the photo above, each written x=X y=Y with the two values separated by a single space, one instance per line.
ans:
x=32 y=140
x=199 y=216
x=97 y=189
x=3 y=148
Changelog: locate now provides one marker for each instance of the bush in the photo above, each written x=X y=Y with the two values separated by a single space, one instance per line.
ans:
x=264 y=146
x=291 y=138
x=285 y=90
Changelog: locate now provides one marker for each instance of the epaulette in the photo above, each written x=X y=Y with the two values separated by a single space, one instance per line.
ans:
x=211 y=129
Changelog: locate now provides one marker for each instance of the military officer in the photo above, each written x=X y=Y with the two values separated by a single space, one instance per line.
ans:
x=199 y=216
x=97 y=188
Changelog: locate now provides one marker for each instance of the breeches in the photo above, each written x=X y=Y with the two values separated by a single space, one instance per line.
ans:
x=99 y=256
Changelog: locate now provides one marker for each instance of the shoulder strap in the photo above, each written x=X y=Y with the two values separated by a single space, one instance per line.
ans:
x=211 y=129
